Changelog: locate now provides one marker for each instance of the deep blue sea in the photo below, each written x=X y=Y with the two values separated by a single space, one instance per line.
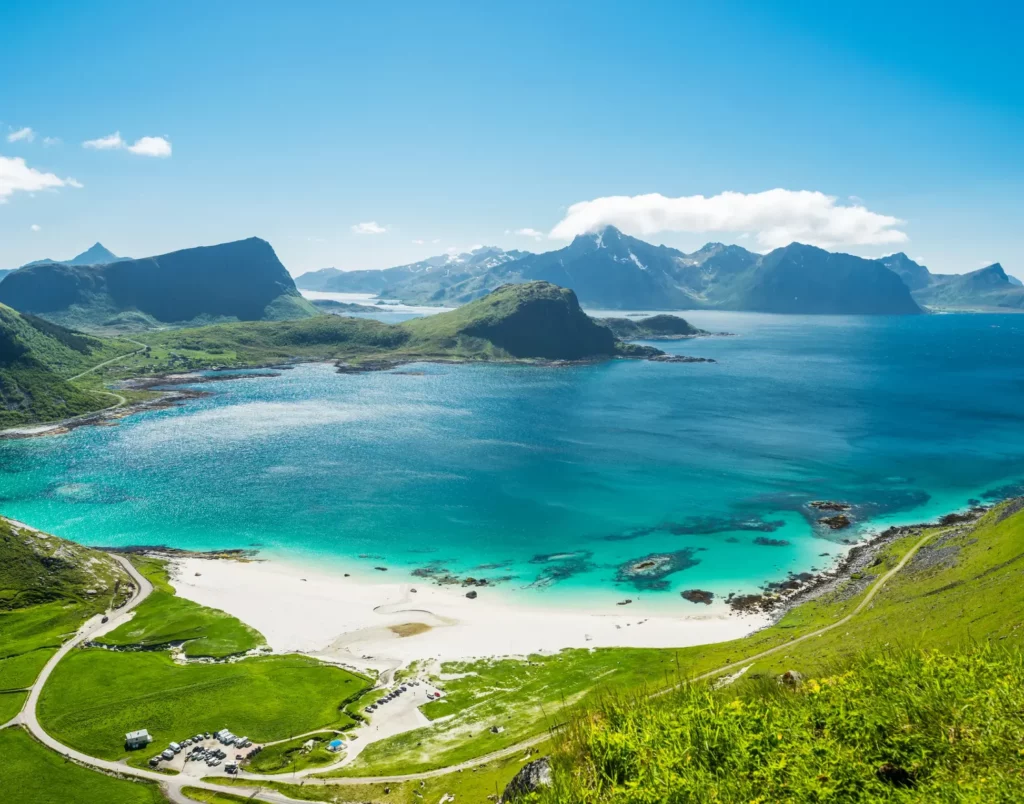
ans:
x=553 y=478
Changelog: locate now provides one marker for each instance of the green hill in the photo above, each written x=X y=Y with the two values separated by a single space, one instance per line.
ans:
x=48 y=587
x=36 y=360
x=915 y=698
x=535 y=320
x=655 y=327
x=241 y=281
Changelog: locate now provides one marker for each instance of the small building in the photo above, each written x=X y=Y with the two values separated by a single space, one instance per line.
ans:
x=335 y=745
x=137 y=739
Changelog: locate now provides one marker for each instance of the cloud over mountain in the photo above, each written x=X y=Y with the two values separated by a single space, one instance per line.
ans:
x=775 y=217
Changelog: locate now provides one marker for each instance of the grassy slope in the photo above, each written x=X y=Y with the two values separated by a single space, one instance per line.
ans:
x=36 y=359
x=34 y=775
x=164 y=618
x=974 y=595
x=45 y=585
x=210 y=797
x=471 y=787
x=901 y=726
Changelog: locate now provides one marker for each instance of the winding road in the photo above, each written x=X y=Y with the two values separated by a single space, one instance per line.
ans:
x=172 y=785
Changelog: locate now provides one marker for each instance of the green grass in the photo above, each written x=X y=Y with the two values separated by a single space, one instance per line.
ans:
x=290 y=756
x=977 y=595
x=36 y=360
x=31 y=774
x=37 y=568
x=49 y=586
x=10 y=704
x=469 y=787
x=899 y=726
x=163 y=618
x=211 y=797
x=95 y=696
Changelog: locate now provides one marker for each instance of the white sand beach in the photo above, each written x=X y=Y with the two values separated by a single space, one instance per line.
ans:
x=368 y=624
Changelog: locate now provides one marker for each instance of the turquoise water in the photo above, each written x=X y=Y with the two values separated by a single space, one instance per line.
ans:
x=506 y=466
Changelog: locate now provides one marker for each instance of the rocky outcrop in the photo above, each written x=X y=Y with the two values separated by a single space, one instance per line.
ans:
x=531 y=777
x=698 y=596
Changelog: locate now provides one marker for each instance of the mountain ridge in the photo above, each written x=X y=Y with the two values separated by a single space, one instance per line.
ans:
x=611 y=270
x=242 y=280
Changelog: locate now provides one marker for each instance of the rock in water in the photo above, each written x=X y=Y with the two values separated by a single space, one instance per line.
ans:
x=698 y=596
x=531 y=777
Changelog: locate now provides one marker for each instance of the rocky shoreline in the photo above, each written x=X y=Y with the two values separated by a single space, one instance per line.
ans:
x=777 y=598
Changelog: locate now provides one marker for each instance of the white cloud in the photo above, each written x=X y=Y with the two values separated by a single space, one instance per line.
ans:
x=528 y=232
x=22 y=135
x=111 y=142
x=419 y=242
x=151 y=146
x=35 y=227
x=49 y=142
x=369 y=228
x=16 y=176
x=776 y=217
x=144 y=146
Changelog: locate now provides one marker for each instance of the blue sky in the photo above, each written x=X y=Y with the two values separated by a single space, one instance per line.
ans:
x=448 y=125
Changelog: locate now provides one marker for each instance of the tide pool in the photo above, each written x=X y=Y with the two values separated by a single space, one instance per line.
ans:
x=553 y=478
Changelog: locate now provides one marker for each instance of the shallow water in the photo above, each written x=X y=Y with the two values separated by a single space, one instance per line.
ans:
x=557 y=477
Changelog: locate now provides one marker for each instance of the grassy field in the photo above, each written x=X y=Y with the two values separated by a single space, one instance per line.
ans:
x=291 y=756
x=898 y=726
x=10 y=704
x=469 y=787
x=32 y=774
x=164 y=618
x=211 y=797
x=95 y=696
x=966 y=585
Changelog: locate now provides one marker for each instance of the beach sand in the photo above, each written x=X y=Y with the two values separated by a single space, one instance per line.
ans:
x=371 y=624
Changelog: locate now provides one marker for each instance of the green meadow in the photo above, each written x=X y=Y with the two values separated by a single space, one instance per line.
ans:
x=32 y=774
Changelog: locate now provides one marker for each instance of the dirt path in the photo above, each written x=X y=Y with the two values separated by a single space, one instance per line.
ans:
x=141 y=348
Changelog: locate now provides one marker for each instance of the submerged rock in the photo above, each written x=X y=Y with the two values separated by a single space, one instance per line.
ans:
x=837 y=522
x=649 y=571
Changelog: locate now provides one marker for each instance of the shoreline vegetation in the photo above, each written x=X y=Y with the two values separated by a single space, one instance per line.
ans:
x=537 y=324
x=497 y=703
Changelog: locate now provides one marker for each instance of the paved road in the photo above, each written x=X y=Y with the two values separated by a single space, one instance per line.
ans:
x=92 y=629
x=172 y=785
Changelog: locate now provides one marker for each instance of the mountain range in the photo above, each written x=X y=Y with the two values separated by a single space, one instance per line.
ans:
x=419 y=278
x=243 y=281
x=611 y=270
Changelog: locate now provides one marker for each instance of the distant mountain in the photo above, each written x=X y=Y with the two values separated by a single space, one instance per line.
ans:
x=656 y=327
x=422 y=279
x=611 y=270
x=96 y=254
x=806 y=279
x=36 y=358
x=989 y=287
x=5 y=272
x=914 y=276
x=242 y=281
